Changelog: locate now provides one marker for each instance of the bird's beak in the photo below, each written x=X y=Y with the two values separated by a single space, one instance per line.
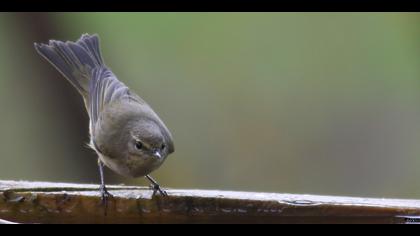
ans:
x=157 y=154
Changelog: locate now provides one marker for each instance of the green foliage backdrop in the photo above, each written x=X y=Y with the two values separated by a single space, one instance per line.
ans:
x=288 y=102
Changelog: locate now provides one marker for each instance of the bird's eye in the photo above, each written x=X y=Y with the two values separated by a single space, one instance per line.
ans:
x=163 y=146
x=139 y=145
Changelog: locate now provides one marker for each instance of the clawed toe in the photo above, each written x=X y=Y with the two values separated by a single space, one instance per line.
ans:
x=156 y=189
x=105 y=196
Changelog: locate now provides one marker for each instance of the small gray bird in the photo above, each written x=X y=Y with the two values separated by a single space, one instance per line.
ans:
x=125 y=132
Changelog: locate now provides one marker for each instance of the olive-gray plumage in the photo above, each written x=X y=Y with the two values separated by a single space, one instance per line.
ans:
x=127 y=134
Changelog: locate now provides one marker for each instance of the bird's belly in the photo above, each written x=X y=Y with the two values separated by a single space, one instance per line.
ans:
x=132 y=166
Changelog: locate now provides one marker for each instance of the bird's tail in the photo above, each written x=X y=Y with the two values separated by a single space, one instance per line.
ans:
x=75 y=60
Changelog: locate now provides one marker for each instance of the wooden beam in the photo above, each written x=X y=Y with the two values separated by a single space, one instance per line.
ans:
x=40 y=202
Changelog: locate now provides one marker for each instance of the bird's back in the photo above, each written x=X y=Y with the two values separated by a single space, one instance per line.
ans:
x=82 y=65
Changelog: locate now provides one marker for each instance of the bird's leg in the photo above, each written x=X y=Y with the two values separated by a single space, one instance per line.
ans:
x=156 y=187
x=104 y=192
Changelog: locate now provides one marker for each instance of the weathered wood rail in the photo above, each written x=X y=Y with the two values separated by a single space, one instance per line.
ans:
x=39 y=202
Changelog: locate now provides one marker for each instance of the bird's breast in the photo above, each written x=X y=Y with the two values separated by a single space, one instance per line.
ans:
x=131 y=166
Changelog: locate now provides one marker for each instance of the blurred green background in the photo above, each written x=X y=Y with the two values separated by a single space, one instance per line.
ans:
x=316 y=103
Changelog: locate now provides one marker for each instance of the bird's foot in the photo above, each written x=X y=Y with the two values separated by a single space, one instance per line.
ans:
x=156 y=188
x=105 y=196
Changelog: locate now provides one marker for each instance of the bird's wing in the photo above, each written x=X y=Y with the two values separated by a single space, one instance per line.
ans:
x=105 y=88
